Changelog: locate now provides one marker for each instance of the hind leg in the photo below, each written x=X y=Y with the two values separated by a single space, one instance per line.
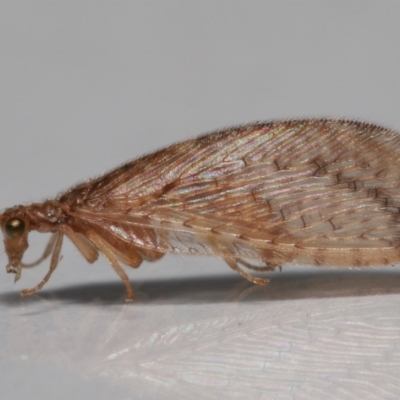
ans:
x=268 y=266
x=254 y=279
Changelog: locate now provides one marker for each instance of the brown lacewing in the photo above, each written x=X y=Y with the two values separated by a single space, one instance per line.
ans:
x=318 y=191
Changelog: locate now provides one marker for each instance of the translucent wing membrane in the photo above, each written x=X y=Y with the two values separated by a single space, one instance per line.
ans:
x=285 y=190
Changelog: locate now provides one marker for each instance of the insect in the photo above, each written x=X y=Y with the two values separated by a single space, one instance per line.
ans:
x=315 y=191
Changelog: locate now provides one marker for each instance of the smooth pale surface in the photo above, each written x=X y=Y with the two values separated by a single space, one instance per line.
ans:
x=86 y=86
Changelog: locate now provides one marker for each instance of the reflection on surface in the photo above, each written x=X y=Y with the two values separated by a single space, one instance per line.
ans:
x=222 y=336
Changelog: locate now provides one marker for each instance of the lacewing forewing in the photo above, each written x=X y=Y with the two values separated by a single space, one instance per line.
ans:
x=320 y=192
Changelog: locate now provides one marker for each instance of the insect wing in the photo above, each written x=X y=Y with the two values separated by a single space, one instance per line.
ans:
x=312 y=184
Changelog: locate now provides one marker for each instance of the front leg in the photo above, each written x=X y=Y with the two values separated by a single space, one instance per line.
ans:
x=55 y=257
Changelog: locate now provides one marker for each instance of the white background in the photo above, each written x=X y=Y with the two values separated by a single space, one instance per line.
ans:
x=87 y=85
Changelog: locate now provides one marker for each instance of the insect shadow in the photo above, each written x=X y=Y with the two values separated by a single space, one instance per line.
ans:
x=223 y=289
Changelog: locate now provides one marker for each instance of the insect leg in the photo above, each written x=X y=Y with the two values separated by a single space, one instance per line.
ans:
x=234 y=265
x=55 y=257
x=85 y=247
x=109 y=254
x=131 y=258
x=268 y=266
x=47 y=251
x=150 y=255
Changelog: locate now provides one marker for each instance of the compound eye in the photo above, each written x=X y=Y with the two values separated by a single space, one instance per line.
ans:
x=15 y=228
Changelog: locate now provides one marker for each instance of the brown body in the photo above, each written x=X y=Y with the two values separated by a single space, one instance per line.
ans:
x=318 y=192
